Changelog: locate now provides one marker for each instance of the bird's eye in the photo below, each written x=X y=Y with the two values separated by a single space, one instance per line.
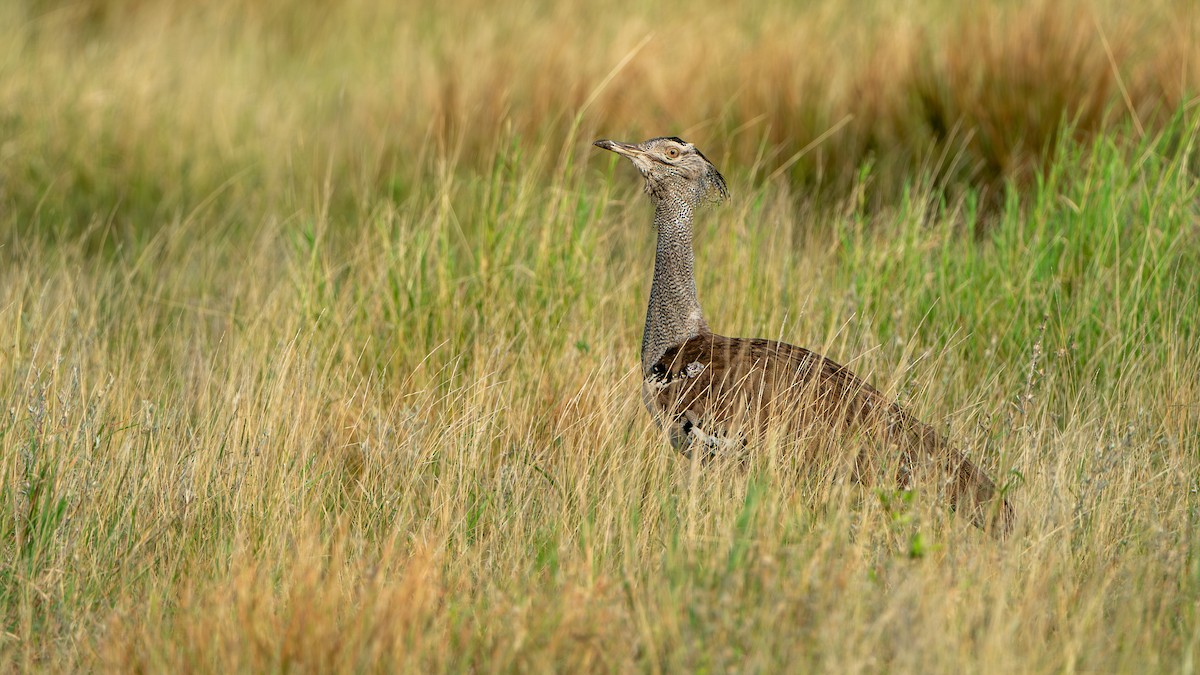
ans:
x=672 y=152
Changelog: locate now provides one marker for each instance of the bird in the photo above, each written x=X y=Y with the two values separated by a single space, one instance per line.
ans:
x=714 y=394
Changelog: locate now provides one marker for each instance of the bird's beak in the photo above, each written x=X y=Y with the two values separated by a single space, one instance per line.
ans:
x=629 y=151
x=626 y=149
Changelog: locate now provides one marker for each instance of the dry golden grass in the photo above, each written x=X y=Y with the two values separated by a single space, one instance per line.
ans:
x=318 y=334
x=121 y=107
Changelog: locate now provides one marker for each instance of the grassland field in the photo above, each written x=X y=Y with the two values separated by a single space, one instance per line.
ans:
x=319 y=330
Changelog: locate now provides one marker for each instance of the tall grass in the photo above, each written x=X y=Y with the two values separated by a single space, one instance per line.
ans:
x=132 y=110
x=300 y=373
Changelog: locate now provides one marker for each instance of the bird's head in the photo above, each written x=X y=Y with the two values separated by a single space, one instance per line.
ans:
x=673 y=169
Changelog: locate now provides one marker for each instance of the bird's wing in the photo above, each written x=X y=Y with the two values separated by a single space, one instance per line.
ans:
x=720 y=390
x=714 y=393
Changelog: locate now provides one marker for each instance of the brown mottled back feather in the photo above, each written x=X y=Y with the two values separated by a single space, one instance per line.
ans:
x=723 y=390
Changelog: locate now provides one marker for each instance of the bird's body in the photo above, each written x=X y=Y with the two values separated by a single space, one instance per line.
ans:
x=712 y=394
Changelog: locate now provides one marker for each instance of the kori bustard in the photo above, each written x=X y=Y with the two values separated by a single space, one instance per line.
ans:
x=713 y=393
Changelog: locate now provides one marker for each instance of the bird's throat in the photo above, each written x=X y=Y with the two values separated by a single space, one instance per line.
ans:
x=674 y=314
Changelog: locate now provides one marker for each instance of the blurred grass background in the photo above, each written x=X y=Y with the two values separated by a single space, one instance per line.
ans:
x=318 y=332
x=123 y=107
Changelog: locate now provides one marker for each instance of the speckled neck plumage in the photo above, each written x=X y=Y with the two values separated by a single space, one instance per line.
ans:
x=674 y=314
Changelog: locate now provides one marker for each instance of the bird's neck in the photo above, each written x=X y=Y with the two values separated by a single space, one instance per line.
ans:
x=674 y=313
